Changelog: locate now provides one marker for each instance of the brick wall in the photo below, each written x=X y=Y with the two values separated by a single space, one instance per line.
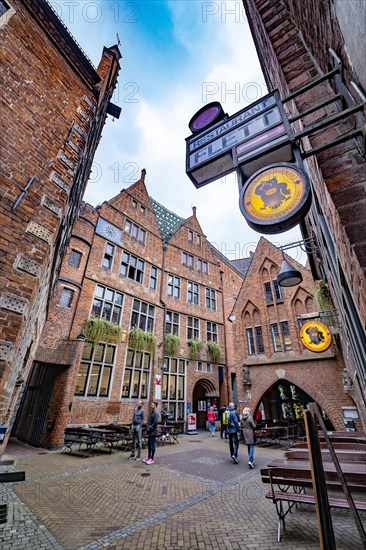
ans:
x=49 y=90
x=293 y=40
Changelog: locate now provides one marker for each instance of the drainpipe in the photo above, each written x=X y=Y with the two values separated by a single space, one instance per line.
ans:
x=223 y=311
x=165 y=246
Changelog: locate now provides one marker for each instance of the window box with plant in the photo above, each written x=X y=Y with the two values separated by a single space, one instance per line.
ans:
x=140 y=340
x=172 y=344
x=213 y=349
x=99 y=330
x=195 y=347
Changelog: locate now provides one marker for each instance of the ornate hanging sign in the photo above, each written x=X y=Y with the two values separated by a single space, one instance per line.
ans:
x=316 y=336
x=275 y=198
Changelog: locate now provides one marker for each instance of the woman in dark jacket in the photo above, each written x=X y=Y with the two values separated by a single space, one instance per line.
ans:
x=152 y=432
x=248 y=426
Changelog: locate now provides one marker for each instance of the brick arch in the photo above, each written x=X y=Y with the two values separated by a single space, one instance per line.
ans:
x=307 y=385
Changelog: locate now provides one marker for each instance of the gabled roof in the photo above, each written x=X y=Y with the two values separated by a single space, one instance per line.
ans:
x=168 y=222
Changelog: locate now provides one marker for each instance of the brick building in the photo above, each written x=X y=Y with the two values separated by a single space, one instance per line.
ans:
x=275 y=372
x=135 y=264
x=299 y=41
x=54 y=107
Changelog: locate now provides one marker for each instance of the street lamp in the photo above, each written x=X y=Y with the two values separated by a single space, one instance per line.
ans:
x=288 y=275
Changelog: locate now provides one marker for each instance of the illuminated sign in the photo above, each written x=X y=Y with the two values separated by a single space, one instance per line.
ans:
x=316 y=336
x=224 y=143
x=205 y=116
x=275 y=198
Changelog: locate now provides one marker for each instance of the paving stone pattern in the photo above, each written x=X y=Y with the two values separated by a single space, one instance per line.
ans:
x=193 y=498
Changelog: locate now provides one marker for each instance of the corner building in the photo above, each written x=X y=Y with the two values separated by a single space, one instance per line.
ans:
x=276 y=373
x=298 y=42
x=136 y=264
x=54 y=107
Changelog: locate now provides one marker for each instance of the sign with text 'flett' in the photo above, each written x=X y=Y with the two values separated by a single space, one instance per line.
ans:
x=252 y=138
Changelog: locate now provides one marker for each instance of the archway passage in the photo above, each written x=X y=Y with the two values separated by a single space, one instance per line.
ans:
x=284 y=404
x=205 y=395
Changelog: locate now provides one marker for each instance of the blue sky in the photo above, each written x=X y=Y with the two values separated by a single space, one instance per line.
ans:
x=177 y=55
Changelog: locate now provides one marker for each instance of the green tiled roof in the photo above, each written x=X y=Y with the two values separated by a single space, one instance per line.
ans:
x=168 y=222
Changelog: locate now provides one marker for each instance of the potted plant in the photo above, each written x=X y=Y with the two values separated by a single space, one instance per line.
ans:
x=213 y=349
x=136 y=339
x=324 y=302
x=99 y=330
x=195 y=347
x=139 y=340
x=172 y=344
x=150 y=341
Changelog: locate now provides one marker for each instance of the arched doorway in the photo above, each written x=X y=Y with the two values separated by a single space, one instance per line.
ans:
x=205 y=395
x=284 y=404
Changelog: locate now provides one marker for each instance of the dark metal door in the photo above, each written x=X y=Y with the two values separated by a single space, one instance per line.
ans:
x=31 y=419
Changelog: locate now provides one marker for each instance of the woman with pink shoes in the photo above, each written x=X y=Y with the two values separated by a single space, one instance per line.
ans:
x=152 y=432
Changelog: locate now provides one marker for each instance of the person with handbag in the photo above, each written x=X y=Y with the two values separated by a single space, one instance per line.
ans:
x=248 y=426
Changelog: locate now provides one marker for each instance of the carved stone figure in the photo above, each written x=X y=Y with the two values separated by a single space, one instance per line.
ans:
x=347 y=382
x=246 y=377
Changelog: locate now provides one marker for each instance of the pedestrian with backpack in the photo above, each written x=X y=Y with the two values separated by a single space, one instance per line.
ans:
x=223 y=424
x=233 y=428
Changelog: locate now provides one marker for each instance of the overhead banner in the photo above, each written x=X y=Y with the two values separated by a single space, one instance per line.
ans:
x=316 y=336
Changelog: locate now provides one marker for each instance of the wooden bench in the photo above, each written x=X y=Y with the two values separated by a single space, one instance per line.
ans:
x=80 y=437
x=8 y=477
x=344 y=455
x=288 y=485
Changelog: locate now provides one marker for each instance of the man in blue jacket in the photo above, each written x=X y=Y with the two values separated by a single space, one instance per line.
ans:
x=233 y=428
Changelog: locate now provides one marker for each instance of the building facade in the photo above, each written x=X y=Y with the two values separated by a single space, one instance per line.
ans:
x=275 y=372
x=54 y=107
x=298 y=42
x=137 y=265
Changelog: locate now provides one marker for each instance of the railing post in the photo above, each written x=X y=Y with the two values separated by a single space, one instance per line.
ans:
x=326 y=533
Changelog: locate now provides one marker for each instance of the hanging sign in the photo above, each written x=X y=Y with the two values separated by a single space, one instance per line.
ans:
x=316 y=336
x=275 y=198
x=158 y=387
x=221 y=144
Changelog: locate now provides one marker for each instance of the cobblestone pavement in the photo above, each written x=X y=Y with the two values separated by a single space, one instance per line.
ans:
x=192 y=498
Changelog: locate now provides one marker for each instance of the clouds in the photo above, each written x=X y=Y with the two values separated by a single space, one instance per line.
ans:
x=177 y=56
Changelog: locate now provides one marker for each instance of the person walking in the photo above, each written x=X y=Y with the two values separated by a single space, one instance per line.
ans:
x=233 y=428
x=248 y=426
x=211 y=417
x=152 y=432
x=165 y=413
x=136 y=428
x=222 y=424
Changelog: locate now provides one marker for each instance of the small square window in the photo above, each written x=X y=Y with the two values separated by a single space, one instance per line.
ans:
x=66 y=297
x=75 y=258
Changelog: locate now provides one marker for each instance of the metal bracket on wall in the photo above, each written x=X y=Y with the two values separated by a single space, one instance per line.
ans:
x=339 y=95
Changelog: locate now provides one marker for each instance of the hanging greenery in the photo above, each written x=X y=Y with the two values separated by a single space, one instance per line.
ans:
x=172 y=344
x=139 y=340
x=150 y=341
x=99 y=330
x=214 y=351
x=136 y=339
x=195 y=347
x=324 y=302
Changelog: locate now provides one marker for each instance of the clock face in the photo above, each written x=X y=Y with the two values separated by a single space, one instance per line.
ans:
x=110 y=231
